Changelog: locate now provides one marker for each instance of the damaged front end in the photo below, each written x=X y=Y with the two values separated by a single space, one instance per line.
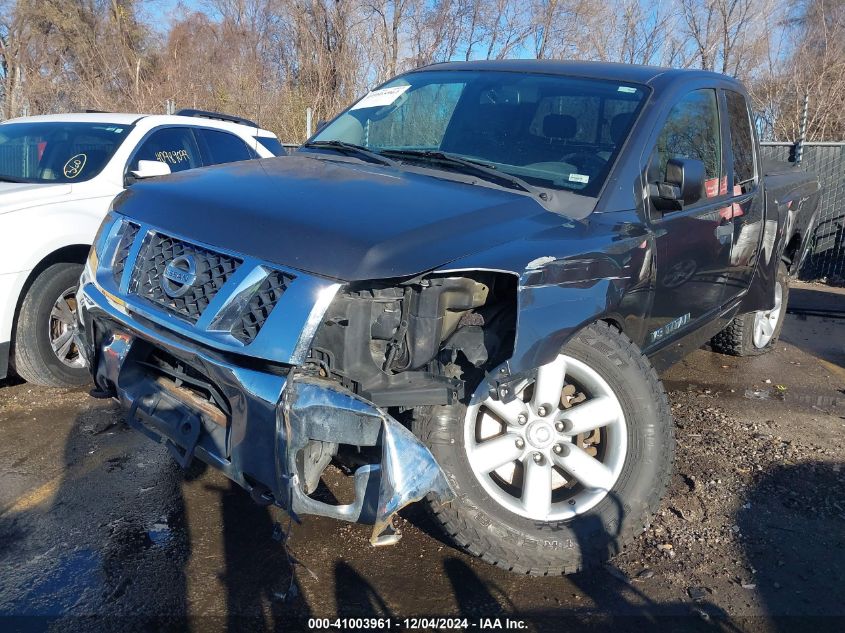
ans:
x=319 y=413
x=272 y=434
x=323 y=374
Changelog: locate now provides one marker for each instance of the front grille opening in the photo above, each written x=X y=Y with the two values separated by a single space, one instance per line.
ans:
x=188 y=384
x=213 y=270
x=260 y=306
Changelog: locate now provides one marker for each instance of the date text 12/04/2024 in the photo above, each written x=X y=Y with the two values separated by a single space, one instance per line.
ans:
x=416 y=623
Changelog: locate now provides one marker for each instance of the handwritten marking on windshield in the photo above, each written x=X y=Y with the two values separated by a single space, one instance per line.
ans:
x=74 y=165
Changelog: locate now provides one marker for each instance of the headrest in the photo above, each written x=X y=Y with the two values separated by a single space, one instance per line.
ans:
x=559 y=126
x=619 y=126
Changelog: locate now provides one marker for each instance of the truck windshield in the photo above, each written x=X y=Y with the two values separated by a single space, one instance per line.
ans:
x=550 y=131
x=53 y=152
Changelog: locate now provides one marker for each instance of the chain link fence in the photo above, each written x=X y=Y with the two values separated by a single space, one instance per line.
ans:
x=827 y=257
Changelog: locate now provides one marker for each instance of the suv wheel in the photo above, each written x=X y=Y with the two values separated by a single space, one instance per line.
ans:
x=758 y=332
x=46 y=347
x=561 y=477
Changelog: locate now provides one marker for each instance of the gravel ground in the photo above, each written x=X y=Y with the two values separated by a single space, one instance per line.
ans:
x=100 y=530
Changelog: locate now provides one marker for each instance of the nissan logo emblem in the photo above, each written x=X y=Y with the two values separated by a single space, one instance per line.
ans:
x=179 y=276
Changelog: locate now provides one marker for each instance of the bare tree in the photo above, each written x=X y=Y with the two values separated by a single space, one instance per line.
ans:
x=270 y=59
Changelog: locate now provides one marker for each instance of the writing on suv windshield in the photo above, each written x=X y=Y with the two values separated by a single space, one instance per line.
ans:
x=554 y=132
x=53 y=152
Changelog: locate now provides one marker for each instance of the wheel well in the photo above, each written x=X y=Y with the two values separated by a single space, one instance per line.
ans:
x=73 y=254
x=614 y=323
x=792 y=248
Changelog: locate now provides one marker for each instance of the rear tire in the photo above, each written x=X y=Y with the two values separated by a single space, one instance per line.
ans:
x=758 y=332
x=482 y=521
x=46 y=319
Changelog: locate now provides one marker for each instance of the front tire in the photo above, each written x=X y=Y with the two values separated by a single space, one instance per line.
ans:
x=758 y=332
x=561 y=485
x=46 y=349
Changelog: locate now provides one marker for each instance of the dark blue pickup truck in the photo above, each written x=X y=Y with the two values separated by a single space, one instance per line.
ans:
x=459 y=289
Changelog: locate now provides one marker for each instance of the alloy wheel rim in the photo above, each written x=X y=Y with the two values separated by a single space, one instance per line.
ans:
x=766 y=321
x=556 y=450
x=63 y=330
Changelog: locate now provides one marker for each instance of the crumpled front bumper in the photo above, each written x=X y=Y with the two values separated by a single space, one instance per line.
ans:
x=269 y=414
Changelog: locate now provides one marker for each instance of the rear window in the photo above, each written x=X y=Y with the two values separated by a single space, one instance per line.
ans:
x=271 y=144
x=222 y=147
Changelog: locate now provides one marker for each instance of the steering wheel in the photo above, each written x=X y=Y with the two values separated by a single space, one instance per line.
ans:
x=585 y=162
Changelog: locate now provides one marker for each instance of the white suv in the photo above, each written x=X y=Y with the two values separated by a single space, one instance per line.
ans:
x=58 y=175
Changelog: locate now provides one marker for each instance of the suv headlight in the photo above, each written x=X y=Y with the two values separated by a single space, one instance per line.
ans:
x=101 y=240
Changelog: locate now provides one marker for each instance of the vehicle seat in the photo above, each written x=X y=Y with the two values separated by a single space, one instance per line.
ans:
x=557 y=131
x=95 y=161
x=491 y=135
x=619 y=126
x=559 y=127
x=54 y=157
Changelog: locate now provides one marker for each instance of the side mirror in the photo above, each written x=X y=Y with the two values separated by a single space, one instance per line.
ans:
x=320 y=125
x=147 y=169
x=684 y=185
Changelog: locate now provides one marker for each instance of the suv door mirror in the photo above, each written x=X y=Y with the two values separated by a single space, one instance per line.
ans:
x=683 y=186
x=146 y=169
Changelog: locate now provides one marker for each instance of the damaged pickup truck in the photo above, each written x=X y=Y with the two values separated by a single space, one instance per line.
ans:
x=458 y=290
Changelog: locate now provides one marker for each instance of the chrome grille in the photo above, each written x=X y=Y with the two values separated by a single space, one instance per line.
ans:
x=128 y=233
x=260 y=305
x=213 y=270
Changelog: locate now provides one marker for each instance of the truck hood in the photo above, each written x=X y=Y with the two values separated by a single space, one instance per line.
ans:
x=14 y=195
x=346 y=220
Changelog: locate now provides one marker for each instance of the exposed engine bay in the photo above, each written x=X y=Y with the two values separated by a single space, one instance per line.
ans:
x=420 y=342
x=427 y=341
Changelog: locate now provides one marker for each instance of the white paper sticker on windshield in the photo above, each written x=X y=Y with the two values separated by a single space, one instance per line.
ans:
x=582 y=178
x=627 y=89
x=382 y=97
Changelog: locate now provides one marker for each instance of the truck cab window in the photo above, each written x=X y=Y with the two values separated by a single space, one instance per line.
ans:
x=742 y=143
x=692 y=131
x=174 y=146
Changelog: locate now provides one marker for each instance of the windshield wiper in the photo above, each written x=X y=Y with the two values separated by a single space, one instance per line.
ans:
x=487 y=170
x=351 y=148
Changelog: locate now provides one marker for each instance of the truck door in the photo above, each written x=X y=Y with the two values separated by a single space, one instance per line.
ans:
x=692 y=244
x=746 y=196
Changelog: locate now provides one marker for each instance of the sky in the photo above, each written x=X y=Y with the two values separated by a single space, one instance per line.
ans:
x=159 y=12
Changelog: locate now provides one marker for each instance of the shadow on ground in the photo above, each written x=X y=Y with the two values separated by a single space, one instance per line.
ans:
x=110 y=548
x=793 y=524
x=10 y=381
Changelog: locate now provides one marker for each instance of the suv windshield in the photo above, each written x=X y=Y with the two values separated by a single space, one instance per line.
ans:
x=53 y=152
x=550 y=131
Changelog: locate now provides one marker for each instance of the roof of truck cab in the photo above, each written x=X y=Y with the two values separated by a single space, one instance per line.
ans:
x=599 y=70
